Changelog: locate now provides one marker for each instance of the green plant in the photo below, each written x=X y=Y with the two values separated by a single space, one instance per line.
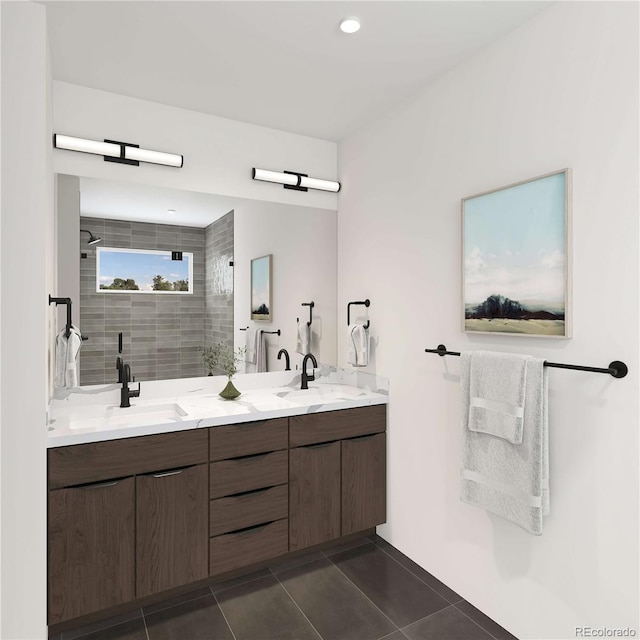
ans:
x=223 y=358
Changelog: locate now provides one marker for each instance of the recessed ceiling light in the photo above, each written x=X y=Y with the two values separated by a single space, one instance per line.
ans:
x=350 y=25
x=171 y=210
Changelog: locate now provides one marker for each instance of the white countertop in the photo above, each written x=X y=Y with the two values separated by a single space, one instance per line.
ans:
x=93 y=413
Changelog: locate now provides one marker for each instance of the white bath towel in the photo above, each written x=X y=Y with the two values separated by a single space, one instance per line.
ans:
x=261 y=351
x=250 y=344
x=497 y=393
x=357 y=345
x=303 y=339
x=505 y=462
x=67 y=352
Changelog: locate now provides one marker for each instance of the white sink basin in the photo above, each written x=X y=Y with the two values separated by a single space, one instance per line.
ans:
x=136 y=415
x=313 y=396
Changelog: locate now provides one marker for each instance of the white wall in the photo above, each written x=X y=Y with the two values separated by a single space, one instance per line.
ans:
x=218 y=153
x=67 y=230
x=26 y=274
x=561 y=91
x=303 y=243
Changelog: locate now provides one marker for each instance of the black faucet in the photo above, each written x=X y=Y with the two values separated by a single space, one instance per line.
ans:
x=305 y=377
x=125 y=392
x=119 y=365
x=287 y=363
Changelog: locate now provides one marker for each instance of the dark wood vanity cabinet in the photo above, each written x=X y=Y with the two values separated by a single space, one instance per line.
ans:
x=337 y=474
x=91 y=548
x=171 y=529
x=140 y=516
x=364 y=483
x=314 y=494
x=127 y=518
x=248 y=486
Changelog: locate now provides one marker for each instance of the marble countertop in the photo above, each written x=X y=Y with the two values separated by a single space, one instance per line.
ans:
x=93 y=413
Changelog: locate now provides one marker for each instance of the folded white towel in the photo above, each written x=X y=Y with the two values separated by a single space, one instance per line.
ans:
x=500 y=474
x=357 y=345
x=497 y=393
x=261 y=351
x=67 y=352
x=303 y=339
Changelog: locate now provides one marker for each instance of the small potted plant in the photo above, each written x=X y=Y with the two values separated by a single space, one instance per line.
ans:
x=223 y=358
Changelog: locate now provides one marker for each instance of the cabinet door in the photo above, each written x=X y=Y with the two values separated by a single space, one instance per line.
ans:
x=314 y=495
x=172 y=529
x=91 y=548
x=363 y=483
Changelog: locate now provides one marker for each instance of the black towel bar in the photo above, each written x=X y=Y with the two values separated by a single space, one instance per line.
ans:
x=617 y=369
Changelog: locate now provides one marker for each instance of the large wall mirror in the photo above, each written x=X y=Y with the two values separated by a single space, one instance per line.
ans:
x=159 y=273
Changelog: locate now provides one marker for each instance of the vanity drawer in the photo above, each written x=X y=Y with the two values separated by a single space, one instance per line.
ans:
x=245 y=510
x=242 y=548
x=236 y=440
x=85 y=463
x=336 y=425
x=245 y=474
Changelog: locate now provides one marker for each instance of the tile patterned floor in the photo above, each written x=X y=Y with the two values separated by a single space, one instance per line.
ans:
x=365 y=590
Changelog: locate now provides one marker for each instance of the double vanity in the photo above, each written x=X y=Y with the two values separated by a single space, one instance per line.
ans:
x=184 y=488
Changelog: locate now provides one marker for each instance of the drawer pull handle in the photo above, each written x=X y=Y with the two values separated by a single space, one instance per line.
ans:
x=253 y=456
x=253 y=529
x=253 y=492
x=319 y=446
x=164 y=474
x=99 y=485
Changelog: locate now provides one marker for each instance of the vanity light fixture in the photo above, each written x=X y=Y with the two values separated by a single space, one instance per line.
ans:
x=114 y=151
x=294 y=180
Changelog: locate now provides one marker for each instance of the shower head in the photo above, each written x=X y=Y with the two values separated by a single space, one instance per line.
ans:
x=92 y=239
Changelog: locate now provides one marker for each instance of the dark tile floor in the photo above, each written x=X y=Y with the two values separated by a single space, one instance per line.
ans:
x=365 y=590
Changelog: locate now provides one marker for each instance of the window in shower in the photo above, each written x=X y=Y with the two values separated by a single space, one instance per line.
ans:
x=143 y=271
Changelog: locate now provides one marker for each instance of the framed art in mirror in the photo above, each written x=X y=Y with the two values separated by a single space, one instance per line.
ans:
x=261 y=289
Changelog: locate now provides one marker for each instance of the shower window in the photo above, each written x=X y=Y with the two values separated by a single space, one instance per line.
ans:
x=143 y=271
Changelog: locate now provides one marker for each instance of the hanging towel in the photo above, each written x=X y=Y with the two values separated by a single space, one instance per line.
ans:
x=357 y=345
x=505 y=436
x=261 y=351
x=67 y=352
x=303 y=339
x=250 y=353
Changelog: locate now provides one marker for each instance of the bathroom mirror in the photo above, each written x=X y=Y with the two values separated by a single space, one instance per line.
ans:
x=154 y=274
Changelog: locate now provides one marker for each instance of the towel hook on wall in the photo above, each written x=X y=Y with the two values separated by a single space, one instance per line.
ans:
x=366 y=303
x=67 y=302
x=244 y=328
x=310 y=305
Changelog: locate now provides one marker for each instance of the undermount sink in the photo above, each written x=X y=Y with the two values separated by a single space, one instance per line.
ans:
x=136 y=415
x=313 y=395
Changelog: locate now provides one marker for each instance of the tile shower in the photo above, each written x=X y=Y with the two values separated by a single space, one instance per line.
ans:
x=161 y=333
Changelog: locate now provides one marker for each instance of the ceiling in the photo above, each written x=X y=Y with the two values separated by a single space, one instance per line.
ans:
x=142 y=203
x=283 y=65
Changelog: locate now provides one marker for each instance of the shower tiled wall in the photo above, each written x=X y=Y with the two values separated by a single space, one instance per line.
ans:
x=161 y=332
x=218 y=238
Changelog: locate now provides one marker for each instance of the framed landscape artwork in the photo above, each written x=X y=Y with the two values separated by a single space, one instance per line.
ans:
x=516 y=258
x=261 y=299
